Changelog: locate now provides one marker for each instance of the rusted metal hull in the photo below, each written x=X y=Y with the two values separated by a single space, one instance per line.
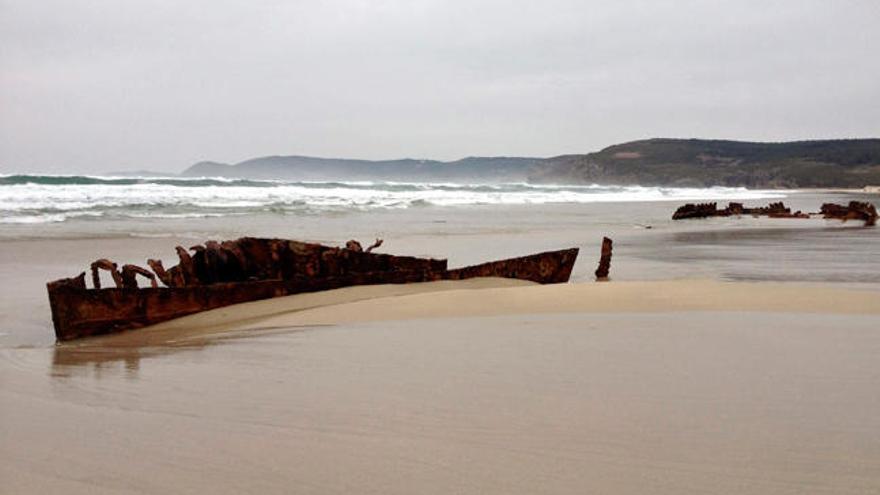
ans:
x=706 y=210
x=78 y=311
x=855 y=210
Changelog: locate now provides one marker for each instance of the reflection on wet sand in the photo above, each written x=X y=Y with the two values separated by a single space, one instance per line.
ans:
x=790 y=253
x=100 y=355
x=98 y=360
x=766 y=234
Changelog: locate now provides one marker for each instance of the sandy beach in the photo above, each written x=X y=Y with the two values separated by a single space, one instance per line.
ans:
x=730 y=355
x=624 y=248
x=487 y=386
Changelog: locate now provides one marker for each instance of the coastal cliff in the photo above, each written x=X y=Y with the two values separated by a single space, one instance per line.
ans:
x=701 y=163
x=307 y=168
x=849 y=163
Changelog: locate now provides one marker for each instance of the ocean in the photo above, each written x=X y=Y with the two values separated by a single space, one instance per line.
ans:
x=40 y=199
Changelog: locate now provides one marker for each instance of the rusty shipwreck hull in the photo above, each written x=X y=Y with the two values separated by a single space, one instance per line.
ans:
x=261 y=269
x=855 y=210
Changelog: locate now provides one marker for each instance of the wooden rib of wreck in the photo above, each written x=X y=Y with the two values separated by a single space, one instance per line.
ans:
x=219 y=274
x=604 y=260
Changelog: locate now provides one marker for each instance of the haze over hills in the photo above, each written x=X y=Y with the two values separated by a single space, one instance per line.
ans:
x=651 y=162
x=307 y=168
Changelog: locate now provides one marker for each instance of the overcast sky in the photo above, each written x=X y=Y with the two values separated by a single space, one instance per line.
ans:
x=99 y=85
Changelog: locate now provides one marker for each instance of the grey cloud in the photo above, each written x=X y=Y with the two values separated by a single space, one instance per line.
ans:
x=95 y=85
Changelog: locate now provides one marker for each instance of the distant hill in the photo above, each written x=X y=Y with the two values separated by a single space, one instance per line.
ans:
x=652 y=162
x=305 y=168
x=139 y=173
x=699 y=162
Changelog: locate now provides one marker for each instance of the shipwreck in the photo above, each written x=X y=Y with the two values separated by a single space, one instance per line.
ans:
x=219 y=274
x=855 y=210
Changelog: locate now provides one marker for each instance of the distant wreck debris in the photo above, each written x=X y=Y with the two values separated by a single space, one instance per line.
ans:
x=856 y=210
x=219 y=274
x=706 y=210
x=604 y=261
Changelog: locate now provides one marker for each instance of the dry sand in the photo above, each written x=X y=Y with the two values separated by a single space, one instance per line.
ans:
x=654 y=387
x=703 y=295
x=492 y=297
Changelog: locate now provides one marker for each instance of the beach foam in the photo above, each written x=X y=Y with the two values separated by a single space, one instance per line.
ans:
x=49 y=199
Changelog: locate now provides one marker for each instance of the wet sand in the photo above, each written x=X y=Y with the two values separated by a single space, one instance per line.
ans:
x=610 y=388
x=764 y=383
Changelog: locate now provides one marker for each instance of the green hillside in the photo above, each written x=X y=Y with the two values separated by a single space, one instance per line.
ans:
x=698 y=162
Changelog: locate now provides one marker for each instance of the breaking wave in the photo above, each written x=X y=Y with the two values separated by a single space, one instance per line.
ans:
x=52 y=198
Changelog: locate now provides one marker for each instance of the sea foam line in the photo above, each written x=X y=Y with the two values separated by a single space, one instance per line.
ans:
x=44 y=203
